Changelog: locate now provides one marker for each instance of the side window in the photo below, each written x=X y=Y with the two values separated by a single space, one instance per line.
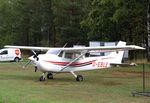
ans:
x=4 y=52
x=69 y=55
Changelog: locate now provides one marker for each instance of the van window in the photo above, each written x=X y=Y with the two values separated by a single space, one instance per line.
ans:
x=4 y=52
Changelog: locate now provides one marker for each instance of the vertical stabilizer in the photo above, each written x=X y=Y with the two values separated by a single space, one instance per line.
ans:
x=117 y=56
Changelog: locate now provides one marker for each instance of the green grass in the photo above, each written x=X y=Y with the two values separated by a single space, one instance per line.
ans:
x=114 y=85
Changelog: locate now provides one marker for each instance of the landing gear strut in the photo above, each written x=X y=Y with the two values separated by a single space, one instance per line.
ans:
x=50 y=76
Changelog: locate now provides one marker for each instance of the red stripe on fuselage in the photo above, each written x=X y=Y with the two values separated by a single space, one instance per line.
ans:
x=75 y=64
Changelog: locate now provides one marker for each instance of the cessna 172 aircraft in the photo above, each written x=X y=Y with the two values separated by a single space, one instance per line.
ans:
x=59 y=60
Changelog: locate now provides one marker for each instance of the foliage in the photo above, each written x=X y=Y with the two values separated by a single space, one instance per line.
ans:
x=68 y=15
x=55 y=22
x=117 y=19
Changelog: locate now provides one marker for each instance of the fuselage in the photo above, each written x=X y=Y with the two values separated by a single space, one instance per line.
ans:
x=54 y=63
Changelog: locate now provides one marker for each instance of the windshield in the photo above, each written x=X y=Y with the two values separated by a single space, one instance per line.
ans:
x=56 y=52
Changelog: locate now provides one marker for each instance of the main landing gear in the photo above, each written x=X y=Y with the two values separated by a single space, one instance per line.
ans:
x=51 y=76
x=78 y=77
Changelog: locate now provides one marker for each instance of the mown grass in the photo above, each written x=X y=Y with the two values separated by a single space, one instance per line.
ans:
x=114 y=85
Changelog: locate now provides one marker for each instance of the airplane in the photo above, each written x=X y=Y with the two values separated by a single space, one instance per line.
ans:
x=69 y=59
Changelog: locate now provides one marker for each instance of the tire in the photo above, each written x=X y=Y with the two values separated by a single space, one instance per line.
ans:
x=49 y=76
x=79 y=78
x=41 y=78
x=16 y=59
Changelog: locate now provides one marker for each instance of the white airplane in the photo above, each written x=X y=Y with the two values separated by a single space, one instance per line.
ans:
x=62 y=60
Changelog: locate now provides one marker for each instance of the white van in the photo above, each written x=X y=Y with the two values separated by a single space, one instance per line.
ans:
x=9 y=54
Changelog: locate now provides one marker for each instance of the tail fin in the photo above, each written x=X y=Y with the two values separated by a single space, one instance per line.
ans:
x=118 y=55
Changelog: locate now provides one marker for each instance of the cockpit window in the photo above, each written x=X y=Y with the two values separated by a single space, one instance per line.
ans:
x=60 y=54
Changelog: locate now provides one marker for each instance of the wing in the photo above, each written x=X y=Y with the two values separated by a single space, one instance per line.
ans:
x=81 y=49
x=28 y=47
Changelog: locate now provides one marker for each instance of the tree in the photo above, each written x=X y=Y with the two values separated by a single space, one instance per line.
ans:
x=68 y=15
x=110 y=20
x=8 y=21
x=35 y=22
x=99 y=20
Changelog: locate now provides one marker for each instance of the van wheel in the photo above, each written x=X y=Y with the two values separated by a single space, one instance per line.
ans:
x=16 y=59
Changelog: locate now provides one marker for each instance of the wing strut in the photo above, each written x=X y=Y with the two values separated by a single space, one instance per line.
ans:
x=63 y=47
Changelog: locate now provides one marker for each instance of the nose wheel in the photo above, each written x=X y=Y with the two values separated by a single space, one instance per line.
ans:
x=42 y=78
x=49 y=76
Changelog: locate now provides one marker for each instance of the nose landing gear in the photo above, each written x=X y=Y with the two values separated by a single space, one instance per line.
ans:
x=49 y=76
x=42 y=78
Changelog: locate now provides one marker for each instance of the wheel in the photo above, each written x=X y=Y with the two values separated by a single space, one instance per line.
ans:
x=79 y=78
x=42 y=78
x=16 y=59
x=49 y=76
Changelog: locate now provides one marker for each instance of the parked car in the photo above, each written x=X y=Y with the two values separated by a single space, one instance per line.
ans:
x=9 y=54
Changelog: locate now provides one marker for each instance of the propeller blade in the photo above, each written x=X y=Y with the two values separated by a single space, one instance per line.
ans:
x=27 y=64
x=36 y=68
x=33 y=52
x=36 y=54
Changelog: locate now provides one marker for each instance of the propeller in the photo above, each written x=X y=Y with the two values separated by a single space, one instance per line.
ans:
x=36 y=54
x=33 y=58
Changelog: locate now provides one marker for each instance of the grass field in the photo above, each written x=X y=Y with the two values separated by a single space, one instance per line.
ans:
x=114 y=85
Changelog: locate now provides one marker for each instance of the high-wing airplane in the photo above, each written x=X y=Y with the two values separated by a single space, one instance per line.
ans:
x=61 y=60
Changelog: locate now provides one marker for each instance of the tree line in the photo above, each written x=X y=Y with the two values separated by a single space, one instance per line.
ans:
x=56 y=22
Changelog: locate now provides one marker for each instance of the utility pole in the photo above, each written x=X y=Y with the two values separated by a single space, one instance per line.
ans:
x=148 y=29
